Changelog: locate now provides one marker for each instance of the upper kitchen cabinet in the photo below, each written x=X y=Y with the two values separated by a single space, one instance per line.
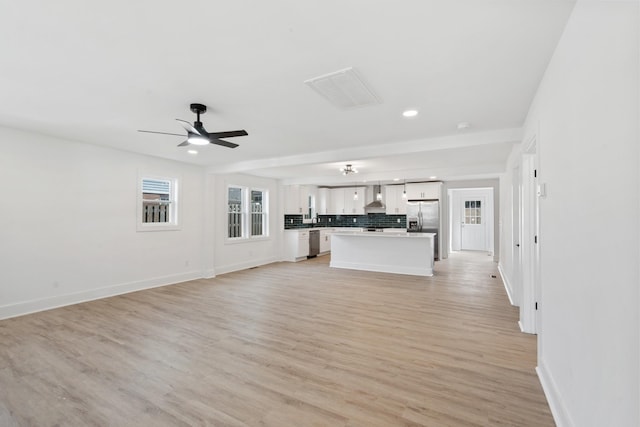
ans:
x=424 y=190
x=394 y=202
x=292 y=205
x=355 y=200
x=323 y=201
x=337 y=201
x=299 y=200
x=343 y=201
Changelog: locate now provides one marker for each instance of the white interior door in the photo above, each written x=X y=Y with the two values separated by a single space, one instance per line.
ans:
x=473 y=231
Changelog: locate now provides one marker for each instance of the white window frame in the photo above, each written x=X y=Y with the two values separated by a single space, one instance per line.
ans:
x=264 y=214
x=246 y=215
x=174 y=205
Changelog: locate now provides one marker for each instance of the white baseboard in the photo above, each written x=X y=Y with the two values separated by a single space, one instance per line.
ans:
x=246 y=264
x=48 y=303
x=556 y=404
x=209 y=274
x=521 y=327
x=506 y=283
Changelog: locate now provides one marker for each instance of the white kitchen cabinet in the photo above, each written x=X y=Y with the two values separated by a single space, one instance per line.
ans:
x=424 y=190
x=296 y=199
x=350 y=205
x=343 y=203
x=323 y=201
x=337 y=201
x=394 y=202
x=325 y=240
x=292 y=204
x=296 y=244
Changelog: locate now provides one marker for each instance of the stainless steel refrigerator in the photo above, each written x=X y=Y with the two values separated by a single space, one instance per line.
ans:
x=423 y=216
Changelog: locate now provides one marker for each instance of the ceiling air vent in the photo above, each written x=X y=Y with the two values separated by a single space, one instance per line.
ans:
x=344 y=89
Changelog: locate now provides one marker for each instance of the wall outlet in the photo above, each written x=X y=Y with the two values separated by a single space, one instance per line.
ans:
x=291 y=221
x=329 y=219
x=398 y=220
x=354 y=220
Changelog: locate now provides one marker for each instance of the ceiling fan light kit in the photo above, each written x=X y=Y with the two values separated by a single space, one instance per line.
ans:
x=198 y=140
x=198 y=135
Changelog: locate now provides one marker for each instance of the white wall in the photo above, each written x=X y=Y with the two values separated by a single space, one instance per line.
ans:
x=585 y=115
x=231 y=256
x=68 y=224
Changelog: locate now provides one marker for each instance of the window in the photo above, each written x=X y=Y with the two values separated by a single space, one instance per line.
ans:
x=258 y=215
x=472 y=212
x=235 y=212
x=157 y=204
x=247 y=213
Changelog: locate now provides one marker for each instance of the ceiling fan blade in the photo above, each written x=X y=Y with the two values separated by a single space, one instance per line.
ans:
x=185 y=143
x=189 y=127
x=228 y=134
x=223 y=143
x=161 y=133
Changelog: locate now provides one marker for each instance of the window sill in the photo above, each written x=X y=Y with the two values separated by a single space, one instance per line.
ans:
x=237 y=240
x=157 y=227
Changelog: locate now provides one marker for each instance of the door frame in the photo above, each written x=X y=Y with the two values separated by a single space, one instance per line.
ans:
x=529 y=240
x=455 y=215
x=516 y=225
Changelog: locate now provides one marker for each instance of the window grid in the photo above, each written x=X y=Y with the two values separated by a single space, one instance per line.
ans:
x=235 y=212
x=257 y=213
x=472 y=212
x=246 y=213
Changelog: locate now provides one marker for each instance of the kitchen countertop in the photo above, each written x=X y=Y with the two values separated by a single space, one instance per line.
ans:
x=402 y=234
x=353 y=229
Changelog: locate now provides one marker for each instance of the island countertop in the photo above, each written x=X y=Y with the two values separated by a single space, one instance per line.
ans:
x=394 y=234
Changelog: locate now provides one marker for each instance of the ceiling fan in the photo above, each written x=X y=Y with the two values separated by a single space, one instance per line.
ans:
x=198 y=135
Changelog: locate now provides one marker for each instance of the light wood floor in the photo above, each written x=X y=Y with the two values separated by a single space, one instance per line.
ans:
x=281 y=345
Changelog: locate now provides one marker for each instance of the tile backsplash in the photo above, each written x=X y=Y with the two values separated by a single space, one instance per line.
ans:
x=361 y=221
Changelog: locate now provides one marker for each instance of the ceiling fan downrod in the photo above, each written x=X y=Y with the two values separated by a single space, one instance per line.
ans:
x=198 y=109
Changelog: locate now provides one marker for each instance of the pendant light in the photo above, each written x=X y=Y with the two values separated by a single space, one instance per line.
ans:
x=355 y=193
x=379 y=195
x=404 y=191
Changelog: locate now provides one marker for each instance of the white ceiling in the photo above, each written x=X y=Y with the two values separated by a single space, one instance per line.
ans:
x=97 y=72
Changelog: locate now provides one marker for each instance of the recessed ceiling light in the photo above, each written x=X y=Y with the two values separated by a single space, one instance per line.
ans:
x=432 y=177
x=192 y=151
x=410 y=113
x=396 y=179
x=463 y=125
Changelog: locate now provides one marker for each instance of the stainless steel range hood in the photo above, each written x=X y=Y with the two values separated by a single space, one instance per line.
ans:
x=376 y=206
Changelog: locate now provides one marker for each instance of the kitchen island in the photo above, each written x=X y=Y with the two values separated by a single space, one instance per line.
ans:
x=401 y=253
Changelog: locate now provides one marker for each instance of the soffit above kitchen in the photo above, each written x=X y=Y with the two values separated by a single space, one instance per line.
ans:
x=97 y=73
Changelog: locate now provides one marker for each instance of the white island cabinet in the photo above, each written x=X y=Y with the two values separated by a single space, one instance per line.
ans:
x=325 y=240
x=401 y=253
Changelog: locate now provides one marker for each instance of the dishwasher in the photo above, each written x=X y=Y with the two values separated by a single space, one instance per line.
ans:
x=314 y=243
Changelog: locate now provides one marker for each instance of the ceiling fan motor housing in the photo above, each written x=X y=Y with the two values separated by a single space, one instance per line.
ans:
x=198 y=109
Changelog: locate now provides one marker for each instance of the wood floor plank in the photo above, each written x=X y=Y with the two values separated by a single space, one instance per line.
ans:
x=288 y=344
